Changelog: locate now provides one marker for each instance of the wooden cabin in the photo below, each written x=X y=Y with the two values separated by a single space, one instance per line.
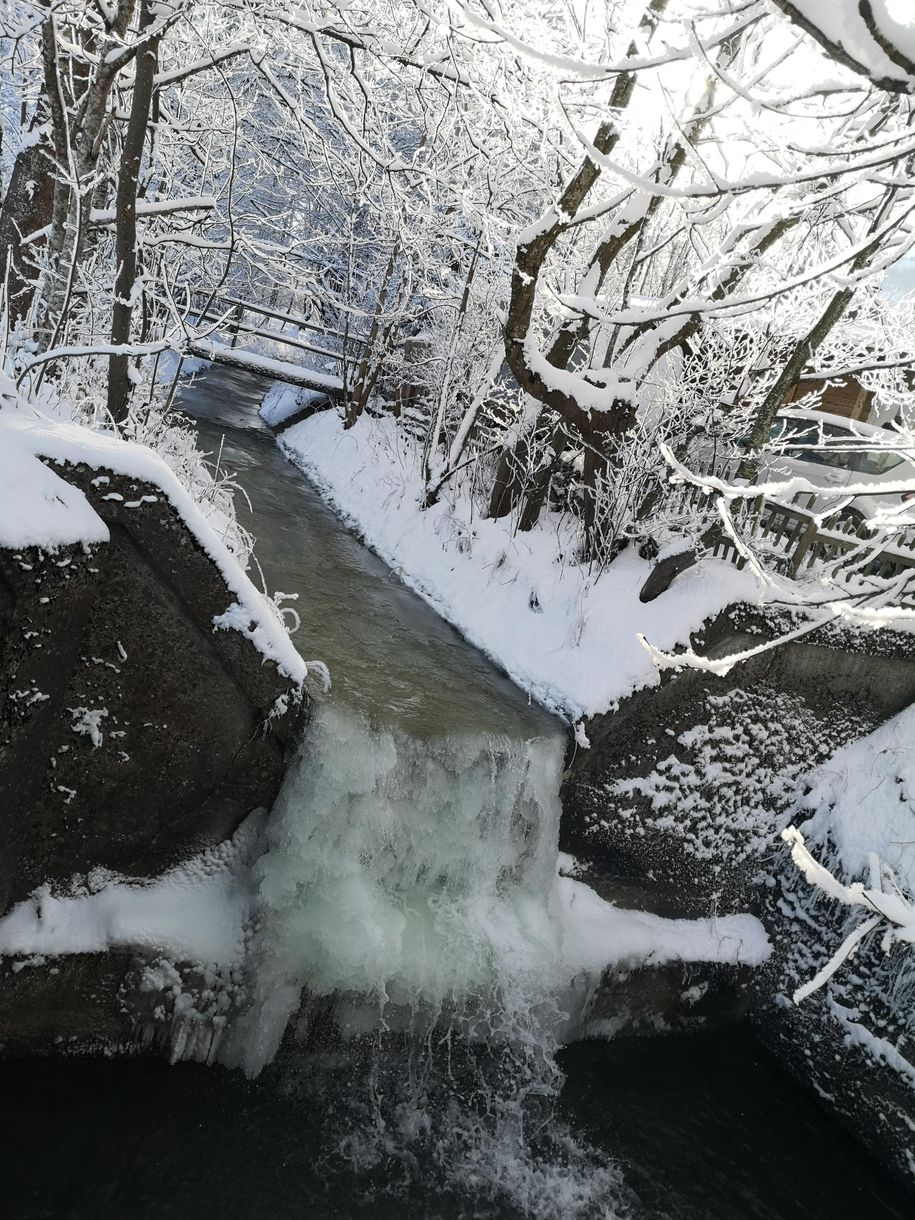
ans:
x=846 y=397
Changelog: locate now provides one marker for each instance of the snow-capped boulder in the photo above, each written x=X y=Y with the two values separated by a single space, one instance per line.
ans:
x=148 y=692
x=680 y=804
x=680 y=796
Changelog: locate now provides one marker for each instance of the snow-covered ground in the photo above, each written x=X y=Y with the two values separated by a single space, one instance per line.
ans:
x=196 y=912
x=564 y=635
x=597 y=934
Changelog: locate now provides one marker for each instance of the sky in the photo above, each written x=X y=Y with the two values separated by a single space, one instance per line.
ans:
x=900 y=278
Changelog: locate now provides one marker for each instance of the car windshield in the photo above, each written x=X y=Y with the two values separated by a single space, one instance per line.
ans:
x=830 y=445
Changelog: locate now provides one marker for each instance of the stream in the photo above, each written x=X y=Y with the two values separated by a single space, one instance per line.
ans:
x=405 y=888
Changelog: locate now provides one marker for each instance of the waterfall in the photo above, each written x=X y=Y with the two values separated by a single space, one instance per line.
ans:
x=411 y=882
x=411 y=874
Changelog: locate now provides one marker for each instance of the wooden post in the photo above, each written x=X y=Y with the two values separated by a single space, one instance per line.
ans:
x=806 y=542
x=237 y=318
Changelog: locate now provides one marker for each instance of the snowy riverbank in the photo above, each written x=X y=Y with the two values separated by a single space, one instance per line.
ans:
x=567 y=637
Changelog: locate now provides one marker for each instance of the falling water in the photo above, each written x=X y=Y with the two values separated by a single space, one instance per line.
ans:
x=408 y=886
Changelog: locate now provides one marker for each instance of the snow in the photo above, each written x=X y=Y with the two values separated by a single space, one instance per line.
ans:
x=88 y=723
x=565 y=636
x=863 y=801
x=880 y=1049
x=842 y=24
x=39 y=508
x=201 y=911
x=159 y=207
x=196 y=912
x=281 y=401
x=596 y=934
x=856 y=850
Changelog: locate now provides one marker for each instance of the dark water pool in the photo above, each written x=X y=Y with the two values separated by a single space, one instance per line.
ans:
x=705 y=1127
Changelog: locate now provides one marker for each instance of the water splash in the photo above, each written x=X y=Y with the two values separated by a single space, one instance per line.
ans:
x=409 y=888
x=411 y=873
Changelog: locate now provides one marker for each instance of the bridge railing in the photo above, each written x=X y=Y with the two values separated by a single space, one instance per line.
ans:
x=238 y=320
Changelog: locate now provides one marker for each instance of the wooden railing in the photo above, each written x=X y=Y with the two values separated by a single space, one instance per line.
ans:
x=791 y=535
x=236 y=320
x=791 y=540
x=228 y=324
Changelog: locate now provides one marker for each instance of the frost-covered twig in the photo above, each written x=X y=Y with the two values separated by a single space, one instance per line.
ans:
x=883 y=897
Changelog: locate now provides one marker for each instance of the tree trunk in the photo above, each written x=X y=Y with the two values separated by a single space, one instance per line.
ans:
x=77 y=99
x=601 y=449
x=788 y=377
x=25 y=209
x=509 y=482
x=126 y=218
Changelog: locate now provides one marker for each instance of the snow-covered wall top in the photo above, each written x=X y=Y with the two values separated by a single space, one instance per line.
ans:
x=40 y=508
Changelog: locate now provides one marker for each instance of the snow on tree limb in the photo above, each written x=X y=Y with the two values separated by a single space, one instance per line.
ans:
x=872 y=37
x=889 y=907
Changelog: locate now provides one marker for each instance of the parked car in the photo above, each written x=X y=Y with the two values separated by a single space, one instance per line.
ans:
x=835 y=452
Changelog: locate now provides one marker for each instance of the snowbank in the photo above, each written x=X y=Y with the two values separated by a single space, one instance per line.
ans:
x=566 y=637
x=596 y=934
x=39 y=508
x=281 y=401
x=196 y=912
x=863 y=801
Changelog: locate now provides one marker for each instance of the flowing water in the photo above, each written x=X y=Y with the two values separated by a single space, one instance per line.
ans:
x=406 y=894
x=408 y=885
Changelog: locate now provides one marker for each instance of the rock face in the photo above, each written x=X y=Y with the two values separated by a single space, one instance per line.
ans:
x=676 y=808
x=133 y=731
x=678 y=997
x=852 y=1041
x=676 y=802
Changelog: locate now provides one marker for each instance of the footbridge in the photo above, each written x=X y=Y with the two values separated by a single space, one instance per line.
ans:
x=287 y=347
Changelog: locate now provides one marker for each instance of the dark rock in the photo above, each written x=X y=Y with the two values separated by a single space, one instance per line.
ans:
x=663 y=999
x=120 y=1002
x=664 y=573
x=822 y=1041
x=132 y=733
x=676 y=809
x=678 y=797
x=66 y=1004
